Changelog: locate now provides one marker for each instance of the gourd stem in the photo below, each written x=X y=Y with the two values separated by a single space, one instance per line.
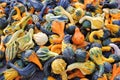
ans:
x=101 y=70
x=14 y=37
x=68 y=15
x=106 y=48
x=10 y=16
x=91 y=37
x=64 y=75
x=110 y=60
x=18 y=15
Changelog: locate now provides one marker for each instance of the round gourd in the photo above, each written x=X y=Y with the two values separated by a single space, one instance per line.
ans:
x=58 y=66
x=40 y=38
x=86 y=24
x=80 y=55
x=71 y=29
x=108 y=67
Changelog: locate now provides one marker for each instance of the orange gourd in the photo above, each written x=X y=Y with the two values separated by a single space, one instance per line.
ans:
x=57 y=48
x=77 y=73
x=58 y=28
x=78 y=37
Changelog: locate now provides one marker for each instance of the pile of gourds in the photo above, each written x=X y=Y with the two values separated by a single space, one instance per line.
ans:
x=61 y=39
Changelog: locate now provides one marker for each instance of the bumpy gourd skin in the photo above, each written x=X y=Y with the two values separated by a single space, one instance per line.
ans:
x=44 y=54
x=25 y=42
x=40 y=38
x=17 y=25
x=99 y=59
x=58 y=67
x=12 y=46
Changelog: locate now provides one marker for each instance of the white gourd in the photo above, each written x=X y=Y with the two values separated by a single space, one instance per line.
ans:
x=40 y=38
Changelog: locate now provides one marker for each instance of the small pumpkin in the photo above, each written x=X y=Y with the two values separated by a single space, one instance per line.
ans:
x=44 y=54
x=58 y=67
x=78 y=37
x=69 y=54
x=80 y=55
x=40 y=38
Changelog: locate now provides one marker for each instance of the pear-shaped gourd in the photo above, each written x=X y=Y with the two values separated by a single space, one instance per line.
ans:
x=40 y=38
x=78 y=37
